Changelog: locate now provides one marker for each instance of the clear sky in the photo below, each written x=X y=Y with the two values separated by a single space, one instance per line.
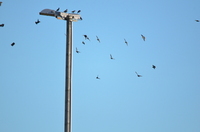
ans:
x=32 y=72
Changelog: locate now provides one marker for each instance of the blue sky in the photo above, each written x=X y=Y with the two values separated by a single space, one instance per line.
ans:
x=32 y=73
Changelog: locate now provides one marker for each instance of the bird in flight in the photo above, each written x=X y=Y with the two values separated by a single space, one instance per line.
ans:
x=73 y=11
x=78 y=11
x=83 y=42
x=66 y=10
x=98 y=39
x=126 y=42
x=111 y=57
x=0 y=3
x=153 y=66
x=86 y=37
x=97 y=77
x=77 y=51
x=12 y=44
x=1 y=25
x=138 y=74
x=58 y=9
x=143 y=37
x=38 y=21
x=197 y=20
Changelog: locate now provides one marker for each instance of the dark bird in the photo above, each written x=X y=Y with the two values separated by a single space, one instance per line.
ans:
x=77 y=51
x=73 y=11
x=83 y=42
x=98 y=39
x=0 y=3
x=97 y=77
x=111 y=57
x=86 y=37
x=12 y=44
x=58 y=9
x=1 y=25
x=81 y=18
x=138 y=74
x=38 y=21
x=126 y=42
x=143 y=37
x=197 y=20
x=66 y=10
x=153 y=66
x=78 y=11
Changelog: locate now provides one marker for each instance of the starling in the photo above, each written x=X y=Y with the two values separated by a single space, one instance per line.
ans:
x=143 y=37
x=66 y=10
x=126 y=42
x=86 y=37
x=78 y=11
x=38 y=21
x=1 y=25
x=138 y=74
x=98 y=39
x=12 y=44
x=97 y=77
x=197 y=20
x=73 y=11
x=58 y=9
x=77 y=51
x=111 y=57
x=153 y=66
x=83 y=42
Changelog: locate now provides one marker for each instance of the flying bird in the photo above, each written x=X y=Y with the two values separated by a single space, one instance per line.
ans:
x=77 y=51
x=58 y=9
x=197 y=20
x=73 y=11
x=86 y=37
x=0 y=3
x=12 y=44
x=83 y=42
x=1 y=25
x=78 y=11
x=66 y=10
x=138 y=74
x=143 y=37
x=97 y=77
x=98 y=39
x=38 y=21
x=111 y=57
x=153 y=66
x=126 y=42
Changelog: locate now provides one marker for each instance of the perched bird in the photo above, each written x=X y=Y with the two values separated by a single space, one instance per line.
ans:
x=1 y=25
x=138 y=74
x=111 y=57
x=38 y=21
x=0 y=3
x=153 y=66
x=73 y=11
x=77 y=51
x=126 y=42
x=12 y=44
x=78 y=11
x=58 y=9
x=83 y=42
x=66 y=10
x=86 y=37
x=197 y=20
x=97 y=77
x=143 y=37
x=98 y=39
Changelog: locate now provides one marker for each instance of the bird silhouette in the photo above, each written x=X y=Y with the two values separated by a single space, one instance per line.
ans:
x=12 y=44
x=98 y=39
x=97 y=77
x=138 y=74
x=73 y=11
x=83 y=42
x=77 y=51
x=38 y=21
x=153 y=66
x=1 y=25
x=86 y=37
x=58 y=9
x=197 y=20
x=0 y=3
x=78 y=11
x=126 y=42
x=111 y=57
x=143 y=37
x=66 y=10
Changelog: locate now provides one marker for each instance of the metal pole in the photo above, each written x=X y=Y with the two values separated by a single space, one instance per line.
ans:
x=67 y=127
